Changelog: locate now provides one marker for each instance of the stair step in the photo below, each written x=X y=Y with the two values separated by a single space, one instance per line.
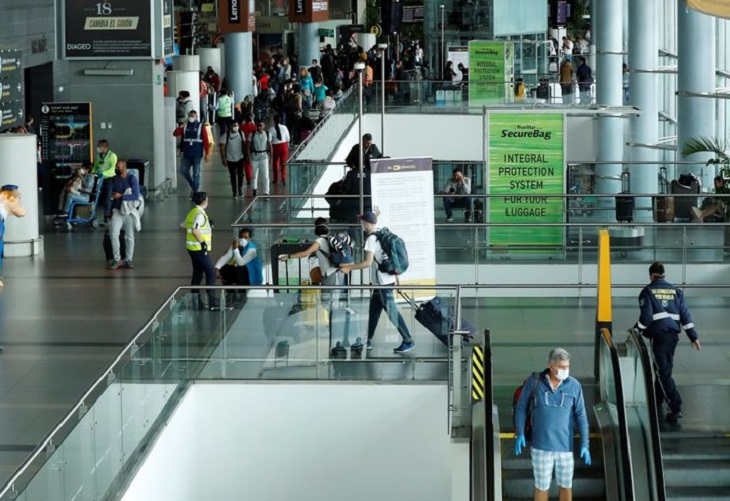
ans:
x=702 y=472
x=520 y=484
x=697 y=493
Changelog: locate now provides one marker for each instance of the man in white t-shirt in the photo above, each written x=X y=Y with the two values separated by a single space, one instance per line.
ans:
x=381 y=299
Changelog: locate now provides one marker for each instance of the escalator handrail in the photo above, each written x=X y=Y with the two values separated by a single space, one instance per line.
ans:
x=626 y=469
x=489 y=424
x=656 y=450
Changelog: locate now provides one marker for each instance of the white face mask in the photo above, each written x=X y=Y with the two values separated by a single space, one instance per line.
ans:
x=234 y=129
x=243 y=242
x=99 y=150
x=562 y=374
x=193 y=119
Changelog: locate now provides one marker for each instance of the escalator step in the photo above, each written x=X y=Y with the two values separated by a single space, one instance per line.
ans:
x=704 y=472
x=697 y=493
x=520 y=484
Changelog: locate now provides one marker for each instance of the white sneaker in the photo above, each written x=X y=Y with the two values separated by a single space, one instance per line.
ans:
x=449 y=219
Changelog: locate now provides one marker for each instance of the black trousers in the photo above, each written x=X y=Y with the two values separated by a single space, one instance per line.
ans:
x=235 y=171
x=663 y=346
x=106 y=196
x=234 y=275
x=203 y=266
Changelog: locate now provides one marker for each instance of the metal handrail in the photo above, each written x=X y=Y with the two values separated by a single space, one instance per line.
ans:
x=654 y=436
x=623 y=428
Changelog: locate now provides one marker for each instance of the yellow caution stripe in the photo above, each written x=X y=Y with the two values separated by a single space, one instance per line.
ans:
x=477 y=374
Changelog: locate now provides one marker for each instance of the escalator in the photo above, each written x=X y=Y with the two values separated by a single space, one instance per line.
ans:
x=693 y=455
x=510 y=477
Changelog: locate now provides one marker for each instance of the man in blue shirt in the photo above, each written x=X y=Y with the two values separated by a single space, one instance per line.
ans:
x=663 y=316
x=125 y=214
x=556 y=402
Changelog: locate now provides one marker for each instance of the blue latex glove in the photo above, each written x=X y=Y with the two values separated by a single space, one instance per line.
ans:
x=519 y=444
x=586 y=455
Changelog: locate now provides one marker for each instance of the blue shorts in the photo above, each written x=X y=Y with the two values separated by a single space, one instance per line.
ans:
x=543 y=463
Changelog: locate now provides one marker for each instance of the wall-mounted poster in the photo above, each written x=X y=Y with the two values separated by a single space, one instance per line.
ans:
x=111 y=29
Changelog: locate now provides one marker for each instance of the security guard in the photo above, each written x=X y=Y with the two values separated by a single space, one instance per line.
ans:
x=198 y=242
x=104 y=164
x=663 y=316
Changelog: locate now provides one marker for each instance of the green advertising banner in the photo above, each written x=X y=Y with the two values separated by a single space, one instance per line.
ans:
x=526 y=164
x=490 y=65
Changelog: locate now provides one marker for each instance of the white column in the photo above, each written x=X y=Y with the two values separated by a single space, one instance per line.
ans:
x=185 y=80
x=18 y=166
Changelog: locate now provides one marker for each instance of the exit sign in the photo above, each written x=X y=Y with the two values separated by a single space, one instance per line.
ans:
x=326 y=33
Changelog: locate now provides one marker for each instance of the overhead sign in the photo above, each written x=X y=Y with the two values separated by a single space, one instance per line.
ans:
x=111 y=29
x=308 y=11
x=376 y=30
x=719 y=8
x=168 y=32
x=11 y=89
x=324 y=32
x=11 y=113
x=526 y=163
x=236 y=16
x=11 y=62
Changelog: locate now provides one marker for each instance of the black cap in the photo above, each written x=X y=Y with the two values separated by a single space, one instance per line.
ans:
x=200 y=197
x=656 y=269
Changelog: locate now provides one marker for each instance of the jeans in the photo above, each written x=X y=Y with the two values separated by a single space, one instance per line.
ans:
x=260 y=165
x=458 y=202
x=70 y=199
x=203 y=266
x=663 y=346
x=118 y=223
x=194 y=180
x=383 y=299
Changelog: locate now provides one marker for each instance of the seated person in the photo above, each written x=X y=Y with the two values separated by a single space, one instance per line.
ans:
x=458 y=186
x=713 y=208
x=77 y=189
x=240 y=265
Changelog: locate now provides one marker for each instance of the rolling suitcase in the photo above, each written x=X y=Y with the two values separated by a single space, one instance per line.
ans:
x=624 y=202
x=625 y=237
x=686 y=184
x=437 y=316
x=663 y=206
x=294 y=271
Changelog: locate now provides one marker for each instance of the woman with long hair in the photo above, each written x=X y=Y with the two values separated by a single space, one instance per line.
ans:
x=280 y=138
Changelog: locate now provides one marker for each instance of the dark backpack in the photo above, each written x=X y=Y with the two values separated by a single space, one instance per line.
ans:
x=516 y=397
x=340 y=248
x=396 y=255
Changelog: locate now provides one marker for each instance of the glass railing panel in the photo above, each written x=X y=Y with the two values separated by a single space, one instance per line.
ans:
x=108 y=450
x=79 y=455
x=48 y=483
x=292 y=334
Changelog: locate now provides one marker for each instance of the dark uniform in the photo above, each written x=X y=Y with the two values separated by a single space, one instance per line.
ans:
x=664 y=314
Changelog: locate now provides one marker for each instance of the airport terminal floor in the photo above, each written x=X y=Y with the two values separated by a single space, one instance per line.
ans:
x=64 y=317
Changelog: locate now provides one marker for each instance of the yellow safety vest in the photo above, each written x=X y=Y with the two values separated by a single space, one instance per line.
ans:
x=106 y=167
x=191 y=243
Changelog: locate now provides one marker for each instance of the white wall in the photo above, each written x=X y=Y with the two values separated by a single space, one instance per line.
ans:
x=309 y=441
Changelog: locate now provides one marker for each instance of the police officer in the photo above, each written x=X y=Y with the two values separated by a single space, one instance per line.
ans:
x=663 y=315
x=104 y=164
x=198 y=242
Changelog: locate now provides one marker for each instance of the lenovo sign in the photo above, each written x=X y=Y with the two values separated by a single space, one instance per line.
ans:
x=299 y=9
x=234 y=12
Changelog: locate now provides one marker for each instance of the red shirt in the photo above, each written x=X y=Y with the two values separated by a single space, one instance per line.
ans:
x=248 y=128
x=264 y=82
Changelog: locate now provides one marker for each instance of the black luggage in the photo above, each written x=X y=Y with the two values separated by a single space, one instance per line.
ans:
x=625 y=203
x=108 y=246
x=294 y=271
x=686 y=184
x=438 y=317
x=663 y=206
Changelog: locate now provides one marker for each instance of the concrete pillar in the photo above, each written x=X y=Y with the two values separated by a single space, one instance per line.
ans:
x=696 y=73
x=18 y=166
x=170 y=143
x=307 y=43
x=210 y=56
x=185 y=80
x=186 y=63
x=239 y=64
x=643 y=93
x=609 y=92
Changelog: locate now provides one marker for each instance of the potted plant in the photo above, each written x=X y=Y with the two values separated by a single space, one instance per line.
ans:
x=717 y=147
